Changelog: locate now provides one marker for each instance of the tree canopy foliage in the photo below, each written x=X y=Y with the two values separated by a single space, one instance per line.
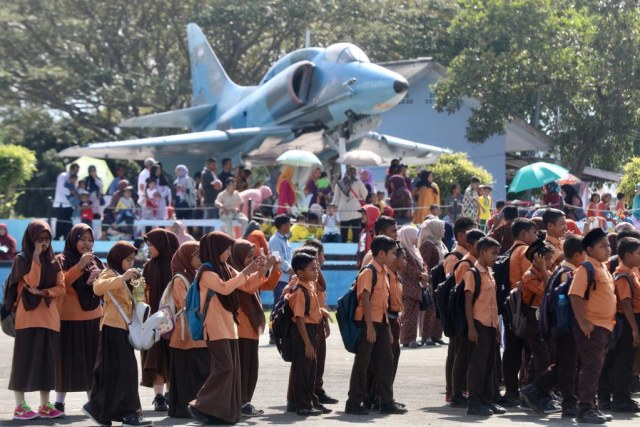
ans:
x=17 y=164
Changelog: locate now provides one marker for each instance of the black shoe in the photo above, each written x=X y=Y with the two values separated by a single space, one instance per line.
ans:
x=355 y=409
x=506 y=402
x=605 y=404
x=571 y=412
x=291 y=406
x=479 y=410
x=635 y=384
x=160 y=403
x=591 y=417
x=199 y=415
x=550 y=406
x=59 y=406
x=531 y=396
x=628 y=407
x=324 y=398
x=88 y=411
x=323 y=409
x=248 y=410
x=459 y=401
x=136 y=420
x=497 y=409
x=439 y=341
x=401 y=405
x=429 y=342
x=607 y=417
x=309 y=412
x=392 y=408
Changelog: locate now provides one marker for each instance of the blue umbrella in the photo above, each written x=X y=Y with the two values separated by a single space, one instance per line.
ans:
x=299 y=158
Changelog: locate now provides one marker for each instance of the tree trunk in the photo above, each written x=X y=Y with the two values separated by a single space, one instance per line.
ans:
x=580 y=159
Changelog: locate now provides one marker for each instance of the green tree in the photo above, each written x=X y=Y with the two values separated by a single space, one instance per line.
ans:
x=567 y=66
x=17 y=165
x=630 y=177
x=455 y=168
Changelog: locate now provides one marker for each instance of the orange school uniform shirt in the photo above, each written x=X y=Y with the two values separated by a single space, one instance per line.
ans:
x=245 y=328
x=218 y=322
x=451 y=260
x=556 y=245
x=297 y=302
x=379 y=298
x=623 y=287
x=43 y=316
x=395 y=293
x=69 y=305
x=519 y=263
x=180 y=296
x=109 y=280
x=533 y=287
x=368 y=257
x=463 y=267
x=485 y=308
x=600 y=308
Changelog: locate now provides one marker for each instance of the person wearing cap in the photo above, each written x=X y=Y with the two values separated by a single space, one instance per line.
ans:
x=594 y=321
x=279 y=242
x=144 y=174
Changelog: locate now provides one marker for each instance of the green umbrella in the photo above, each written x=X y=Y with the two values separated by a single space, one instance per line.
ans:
x=536 y=175
x=299 y=158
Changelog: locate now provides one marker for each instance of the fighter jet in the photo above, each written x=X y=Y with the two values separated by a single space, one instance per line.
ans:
x=325 y=100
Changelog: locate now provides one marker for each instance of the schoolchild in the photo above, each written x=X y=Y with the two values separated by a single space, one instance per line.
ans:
x=35 y=283
x=114 y=389
x=455 y=373
x=555 y=222
x=561 y=372
x=251 y=321
x=375 y=345
x=594 y=322
x=524 y=234
x=616 y=375
x=220 y=398
x=383 y=226
x=80 y=313
x=483 y=332
x=304 y=332
x=190 y=361
x=157 y=273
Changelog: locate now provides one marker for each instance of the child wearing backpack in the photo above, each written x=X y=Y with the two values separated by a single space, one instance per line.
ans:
x=616 y=375
x=189 y=359
x=220 y=398
x=114 y=391
x=555 y=222
x=307 y=314
x=483 y=332
x=375 y=344
x=594 y=322
x=562 y=371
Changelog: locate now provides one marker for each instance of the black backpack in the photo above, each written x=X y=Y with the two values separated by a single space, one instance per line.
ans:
x=443 y=294
x=438 y=276
x=564 y=311
x=281 y=323
x=501 y=270
x=548 y=306
x=456 y=309
x=620 y=319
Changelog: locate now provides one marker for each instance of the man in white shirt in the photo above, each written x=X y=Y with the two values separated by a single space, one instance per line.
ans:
x=142 y=179
x=61 y=204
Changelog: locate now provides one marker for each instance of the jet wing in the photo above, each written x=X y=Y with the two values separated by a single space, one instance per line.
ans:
x=185 y=118
x=194 y=143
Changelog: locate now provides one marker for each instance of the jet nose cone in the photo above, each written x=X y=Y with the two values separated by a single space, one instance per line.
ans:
x=400 y=86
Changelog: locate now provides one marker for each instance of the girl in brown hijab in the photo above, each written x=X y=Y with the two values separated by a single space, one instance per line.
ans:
x=114 y=390
x=35 y=281
x=219 y=399
x=80 y=312
x=157 y=273
x=250 y=322
x=189 y=359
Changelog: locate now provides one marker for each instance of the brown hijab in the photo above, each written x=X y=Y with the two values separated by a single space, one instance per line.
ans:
x=181 y=261
x=49 y=264
x=212 y=246
x=70 y=257
x=118 y=253
x=250 y=303
x=157 y=271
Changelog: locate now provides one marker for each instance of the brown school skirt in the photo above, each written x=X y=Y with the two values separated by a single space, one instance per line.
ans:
x=155 y=361
x=34 y=360
x=189 y=369
x=220 y=396
x=114 y=390
x=77 y=356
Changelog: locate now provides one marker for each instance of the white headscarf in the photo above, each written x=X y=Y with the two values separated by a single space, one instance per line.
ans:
x=408 y=237
x=432 y=230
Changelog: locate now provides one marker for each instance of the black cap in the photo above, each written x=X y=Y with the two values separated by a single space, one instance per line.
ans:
x=592 y=237
x=537 y=247
x=280 y=220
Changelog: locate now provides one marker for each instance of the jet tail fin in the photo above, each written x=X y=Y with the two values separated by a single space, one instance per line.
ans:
x=209 y=81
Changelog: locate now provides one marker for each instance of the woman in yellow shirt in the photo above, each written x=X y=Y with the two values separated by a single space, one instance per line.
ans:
x=426 y=193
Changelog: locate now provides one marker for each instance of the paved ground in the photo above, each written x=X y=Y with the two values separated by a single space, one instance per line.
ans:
x=420 y=385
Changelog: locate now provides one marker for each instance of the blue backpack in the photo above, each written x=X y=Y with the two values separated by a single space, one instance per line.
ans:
x=564 y=311
x=349 y=330
x=195 y=317
x=549 y=304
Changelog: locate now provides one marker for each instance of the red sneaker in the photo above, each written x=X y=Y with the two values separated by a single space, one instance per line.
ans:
x=24 y=413
x=49 y=411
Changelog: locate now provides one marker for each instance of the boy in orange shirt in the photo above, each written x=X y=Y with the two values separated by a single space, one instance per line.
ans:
x=555 y=222
x=483 y=332
x=375 y=343
x=594 y=321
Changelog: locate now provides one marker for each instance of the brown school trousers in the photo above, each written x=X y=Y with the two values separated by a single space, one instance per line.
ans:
x=592 y=353
x=381 y=356
x=539 y=349
x=563 y=373
x=394 y=326
x=616 y=375
x=303 y=369
x=321 y=355
x=481 y=377
x=248 y=350
x=511 y=361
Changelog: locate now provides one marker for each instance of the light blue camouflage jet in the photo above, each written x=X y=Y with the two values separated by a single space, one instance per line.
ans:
x=324 y=100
